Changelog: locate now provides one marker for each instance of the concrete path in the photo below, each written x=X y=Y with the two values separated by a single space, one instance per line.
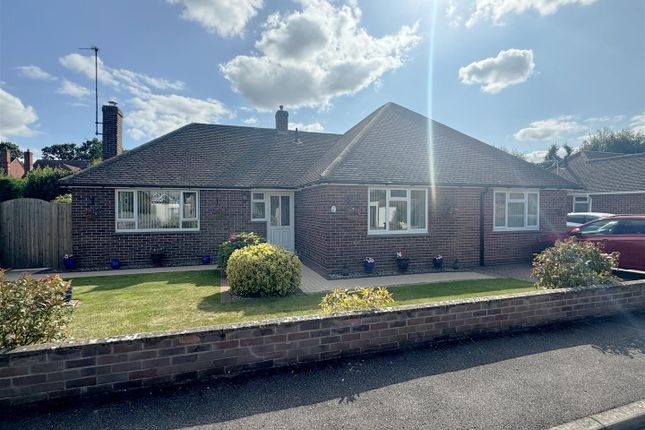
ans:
x=532 y=380
x=520 y=271
x=312 y=282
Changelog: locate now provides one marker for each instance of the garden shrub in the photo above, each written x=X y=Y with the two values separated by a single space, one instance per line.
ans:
x=237 y=241
x=32 y=311
x=341 y=300
x=42 y=183
x=573 y=263
x=263 y=270
x=11 y=188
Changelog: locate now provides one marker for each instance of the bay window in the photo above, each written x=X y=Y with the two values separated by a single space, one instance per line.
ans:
x=397 y=210
x=516 y=210
x=157 y=210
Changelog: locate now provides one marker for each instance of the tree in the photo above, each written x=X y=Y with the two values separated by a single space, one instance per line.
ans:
x=14 y=149
x=43 y=183
x=62 y=151
x=554 y=155
x=90 y=150
x=625 y=141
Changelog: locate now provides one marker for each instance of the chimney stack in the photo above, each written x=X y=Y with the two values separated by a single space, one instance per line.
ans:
x=5 y=160
x=28 y=161
x=282 y=120
x=112 y=131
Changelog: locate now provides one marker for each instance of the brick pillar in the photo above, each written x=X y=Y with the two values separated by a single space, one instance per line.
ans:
x=112 y=131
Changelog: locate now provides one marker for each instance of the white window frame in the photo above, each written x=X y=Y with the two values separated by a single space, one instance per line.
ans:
x=588 y=197
x=407 y=199
x=136 y=211
x=526 y=193
x=263 y=200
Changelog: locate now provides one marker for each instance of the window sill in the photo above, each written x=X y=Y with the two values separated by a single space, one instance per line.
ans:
x=398 y=234
x=170 y=230
x=515 y=230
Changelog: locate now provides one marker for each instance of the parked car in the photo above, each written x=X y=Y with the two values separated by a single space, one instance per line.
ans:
x=576 y=219
x=622 y=233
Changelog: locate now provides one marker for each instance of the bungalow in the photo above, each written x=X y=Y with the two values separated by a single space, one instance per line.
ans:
x=610 y=182
x=395 y=182
x=19 y=169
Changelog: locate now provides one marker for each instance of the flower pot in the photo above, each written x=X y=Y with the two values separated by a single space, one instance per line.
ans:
x=69 y=263
x=437 y=262
x=115 y=263
x=206 y=259
x=68 y=294
x=402 y=263
x=368 y=267
x=157 y=258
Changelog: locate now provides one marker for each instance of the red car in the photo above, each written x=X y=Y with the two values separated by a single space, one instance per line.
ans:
x=622 y=233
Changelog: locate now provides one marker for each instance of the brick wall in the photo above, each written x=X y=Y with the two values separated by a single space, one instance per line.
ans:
x=95 y=242
x=332 y=240
x=618 y=203
x=49 y=372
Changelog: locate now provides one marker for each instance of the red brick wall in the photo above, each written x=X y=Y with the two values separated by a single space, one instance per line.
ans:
x=95 y=242
x=618 y=203
x=453 y=215
x=50 y=372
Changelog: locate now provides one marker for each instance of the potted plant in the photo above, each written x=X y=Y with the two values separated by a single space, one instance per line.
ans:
x=206 y=259
x=69 y=261
x=437 y=262
x=368 y=264
x=402 y=262
x=115 y=263
x=157 y=255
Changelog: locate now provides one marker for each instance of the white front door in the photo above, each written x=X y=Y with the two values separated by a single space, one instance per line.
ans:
x=280 y=230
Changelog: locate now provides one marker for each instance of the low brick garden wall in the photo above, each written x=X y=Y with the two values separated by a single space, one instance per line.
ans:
x=49 y=372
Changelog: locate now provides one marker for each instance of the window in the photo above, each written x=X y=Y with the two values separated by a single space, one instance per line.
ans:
x=516 y=210
x=258 y=207
x=631 y=226
x=581 y=203
x=397 y=210
x=157 y=210
x=603 y=226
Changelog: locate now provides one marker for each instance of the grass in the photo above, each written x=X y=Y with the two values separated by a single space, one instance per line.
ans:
x=117 y=305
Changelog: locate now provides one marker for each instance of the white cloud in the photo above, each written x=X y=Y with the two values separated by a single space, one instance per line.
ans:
x=225 y=17
x=250 y=121
x=35 y=72
x=605 y=119
x=496 y=10
x=550 y=129
x=535 y=156
x=308 y=57
x=157 y=114
x=15 y=117
x=638 y=123
x=314 y=126
x=509 y=67
x=73 y=89
x=133 y=82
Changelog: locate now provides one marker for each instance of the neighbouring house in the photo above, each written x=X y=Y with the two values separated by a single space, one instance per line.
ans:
x=395 y=182
x=609 y=182
x=20 y=168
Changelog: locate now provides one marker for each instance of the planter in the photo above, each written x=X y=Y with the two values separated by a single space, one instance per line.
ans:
x=69 y=263
x=206 y=259
x=368 y=267
x=157 y=258
x=115 y=263
x=437 y=262
x=402 y=263
x=68 y=294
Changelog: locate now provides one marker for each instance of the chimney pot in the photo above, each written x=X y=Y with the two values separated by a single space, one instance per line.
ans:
x=282 y=120
x=112 y=130
x=28 y=161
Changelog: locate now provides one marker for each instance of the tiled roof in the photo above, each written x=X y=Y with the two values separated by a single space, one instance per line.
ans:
x=391 y=145
x=70 y=165
x=605 y=172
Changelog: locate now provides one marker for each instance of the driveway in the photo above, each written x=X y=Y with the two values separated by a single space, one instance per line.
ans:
x=533 y=380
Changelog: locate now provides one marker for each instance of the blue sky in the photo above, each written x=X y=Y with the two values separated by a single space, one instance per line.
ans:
x=521 y=74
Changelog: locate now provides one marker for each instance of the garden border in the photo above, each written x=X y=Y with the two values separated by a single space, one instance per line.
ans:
x=86 y=368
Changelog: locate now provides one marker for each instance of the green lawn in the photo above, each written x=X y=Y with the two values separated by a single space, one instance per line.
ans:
x=116 y=305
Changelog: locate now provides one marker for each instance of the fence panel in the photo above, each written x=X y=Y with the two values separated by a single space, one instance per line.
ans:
x=34 y=233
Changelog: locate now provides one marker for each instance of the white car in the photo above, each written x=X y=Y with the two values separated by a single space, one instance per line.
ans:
x=576 y=219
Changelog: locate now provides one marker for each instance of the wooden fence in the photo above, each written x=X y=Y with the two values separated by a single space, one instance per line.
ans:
x=34 y=233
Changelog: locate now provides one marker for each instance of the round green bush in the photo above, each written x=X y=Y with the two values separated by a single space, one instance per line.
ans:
x=263 y=270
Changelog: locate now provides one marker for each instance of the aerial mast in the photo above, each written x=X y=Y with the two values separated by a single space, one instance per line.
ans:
x=96 y=86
